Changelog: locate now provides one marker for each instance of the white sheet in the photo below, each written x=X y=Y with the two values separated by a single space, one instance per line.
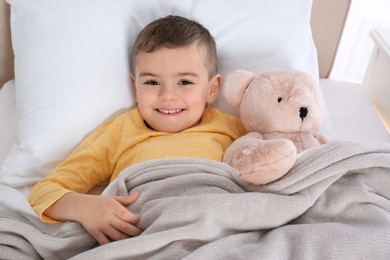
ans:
x=351 y=114
x=15 y=201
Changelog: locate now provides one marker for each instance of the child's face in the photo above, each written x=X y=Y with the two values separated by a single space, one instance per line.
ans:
x=172 y=87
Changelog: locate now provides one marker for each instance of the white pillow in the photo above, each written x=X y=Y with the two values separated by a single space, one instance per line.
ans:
x=72 y=62
x=7 y=119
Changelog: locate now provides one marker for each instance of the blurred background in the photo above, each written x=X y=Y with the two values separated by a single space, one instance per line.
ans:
x=356 y=45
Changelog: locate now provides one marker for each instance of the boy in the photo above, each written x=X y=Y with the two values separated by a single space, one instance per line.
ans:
x=175 y=76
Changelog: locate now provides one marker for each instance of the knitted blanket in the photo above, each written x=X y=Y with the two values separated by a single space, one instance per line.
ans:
x=333 y=204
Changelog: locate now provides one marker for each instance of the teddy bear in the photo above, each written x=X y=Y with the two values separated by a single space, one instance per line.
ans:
x=282 y=111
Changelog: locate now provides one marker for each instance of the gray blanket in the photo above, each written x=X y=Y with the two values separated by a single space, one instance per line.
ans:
x=333 y=204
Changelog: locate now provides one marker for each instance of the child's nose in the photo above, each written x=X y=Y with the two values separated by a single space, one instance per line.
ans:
x=167 y=93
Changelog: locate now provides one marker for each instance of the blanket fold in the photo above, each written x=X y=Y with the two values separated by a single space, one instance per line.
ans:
x=334 y=203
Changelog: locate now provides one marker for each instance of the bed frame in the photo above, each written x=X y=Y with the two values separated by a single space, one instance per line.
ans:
x=328 y=19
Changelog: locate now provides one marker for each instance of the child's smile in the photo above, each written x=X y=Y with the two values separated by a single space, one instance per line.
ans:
x=170 y=112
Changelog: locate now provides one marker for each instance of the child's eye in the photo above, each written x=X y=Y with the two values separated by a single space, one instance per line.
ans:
x=185 y=82
x=151 y=82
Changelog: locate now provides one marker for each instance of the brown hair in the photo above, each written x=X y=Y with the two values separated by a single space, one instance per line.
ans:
x=176 y=31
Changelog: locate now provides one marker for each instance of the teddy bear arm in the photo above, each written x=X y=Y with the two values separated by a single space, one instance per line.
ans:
x=323 y=139
x=240 y=145
x=252 y=135
x=260 y=161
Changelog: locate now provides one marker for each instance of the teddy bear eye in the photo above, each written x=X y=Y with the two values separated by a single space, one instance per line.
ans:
x=280 y=99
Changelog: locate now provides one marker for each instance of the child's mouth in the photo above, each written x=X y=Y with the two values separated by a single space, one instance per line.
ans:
x=169 y=112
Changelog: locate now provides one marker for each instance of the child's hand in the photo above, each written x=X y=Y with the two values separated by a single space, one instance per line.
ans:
x=106 y=218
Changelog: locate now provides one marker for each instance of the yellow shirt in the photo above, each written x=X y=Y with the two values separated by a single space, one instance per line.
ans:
x=126 y=141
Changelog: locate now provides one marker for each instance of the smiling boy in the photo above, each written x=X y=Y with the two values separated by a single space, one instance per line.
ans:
x=173 y=86
x=175 y=77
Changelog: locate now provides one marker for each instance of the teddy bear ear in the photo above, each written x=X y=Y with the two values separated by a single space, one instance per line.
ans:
x=234 y=85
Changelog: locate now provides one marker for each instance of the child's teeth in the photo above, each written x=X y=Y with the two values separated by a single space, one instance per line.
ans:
x=169 y=111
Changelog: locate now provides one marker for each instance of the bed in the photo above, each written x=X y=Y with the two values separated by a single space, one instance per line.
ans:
x=64 y=70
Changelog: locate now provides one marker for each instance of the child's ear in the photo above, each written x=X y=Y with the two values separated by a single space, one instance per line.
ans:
x=133 y=87
x=215 y=85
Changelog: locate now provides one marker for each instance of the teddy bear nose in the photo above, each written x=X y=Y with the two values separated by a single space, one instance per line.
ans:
x=302 y=112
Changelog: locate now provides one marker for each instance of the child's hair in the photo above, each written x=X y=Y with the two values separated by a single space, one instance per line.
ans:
x=176 y=31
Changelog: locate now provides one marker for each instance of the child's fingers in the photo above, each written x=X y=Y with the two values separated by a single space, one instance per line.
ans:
x=122 y=212
x=133 y=197
x=115 y=234
x=101 y=238
x=125 y=223
x=125 y=228
x=127 y=216
x=127 y=200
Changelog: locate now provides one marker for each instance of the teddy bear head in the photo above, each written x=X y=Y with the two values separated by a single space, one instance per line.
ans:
x=276 y=101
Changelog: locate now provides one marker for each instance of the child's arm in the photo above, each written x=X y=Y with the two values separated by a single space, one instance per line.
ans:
x=104 y=217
